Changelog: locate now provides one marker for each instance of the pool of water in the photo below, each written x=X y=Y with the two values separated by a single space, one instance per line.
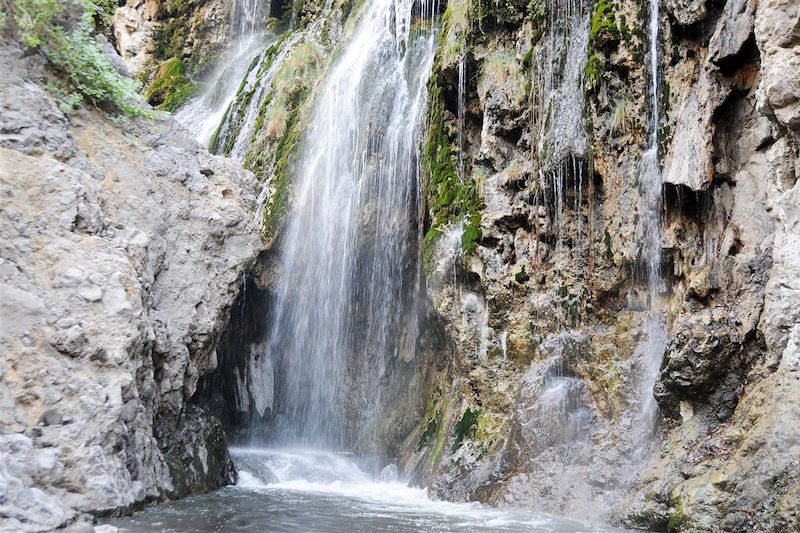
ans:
x=317 y=491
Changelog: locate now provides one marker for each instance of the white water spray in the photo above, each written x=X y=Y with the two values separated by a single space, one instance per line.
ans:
x=203 y=113
x=343 y=319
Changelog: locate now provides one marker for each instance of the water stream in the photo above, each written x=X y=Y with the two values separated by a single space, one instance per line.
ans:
x=300 y=490
x=650 y=190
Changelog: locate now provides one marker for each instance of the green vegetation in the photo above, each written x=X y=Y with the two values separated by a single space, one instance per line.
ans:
x=568 y=301
x=280 y=119
x=289 y=90
x=522 y=277
x=431 y=429
x=168 y=39
x=603 y=24
x=464 y=427
x=537 y=14
x=595 y=66
x=455 y=30
x=527 y=59
x=623 y=114
x=104 y=13
x=74 y=53
x=171 y=87
x=606 y=29
x=677 y=519
x=449 y=198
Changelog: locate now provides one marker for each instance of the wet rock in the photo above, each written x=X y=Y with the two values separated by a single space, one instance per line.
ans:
x=687 y=12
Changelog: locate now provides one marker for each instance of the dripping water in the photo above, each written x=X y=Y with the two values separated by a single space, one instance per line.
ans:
x=462 y=91
x=559 y=140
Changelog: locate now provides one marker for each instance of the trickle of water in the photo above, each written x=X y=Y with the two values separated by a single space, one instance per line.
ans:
x=343 y=320
x=650 y=207
x=558 y=138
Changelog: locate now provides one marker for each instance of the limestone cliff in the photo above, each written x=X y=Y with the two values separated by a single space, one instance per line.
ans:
x=534 y=359
x=535 y=399
x=123 y=245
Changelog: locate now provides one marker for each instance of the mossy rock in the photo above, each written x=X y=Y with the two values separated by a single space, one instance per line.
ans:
x=464 y=427
x=171 y=88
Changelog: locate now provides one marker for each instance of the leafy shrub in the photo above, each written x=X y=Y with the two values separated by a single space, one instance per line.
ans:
x=74 y=52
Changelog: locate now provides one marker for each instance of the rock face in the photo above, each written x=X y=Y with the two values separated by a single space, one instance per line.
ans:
x=122 y=248
x=537 y=398
x=149 y=32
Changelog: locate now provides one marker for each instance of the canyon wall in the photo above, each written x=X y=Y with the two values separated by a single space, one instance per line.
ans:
x=123 y=247
x=538 y=331
x=540 y=279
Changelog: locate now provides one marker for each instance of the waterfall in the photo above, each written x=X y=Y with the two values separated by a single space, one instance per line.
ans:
x=202 y=114
x=343 y=316
x=650 y=187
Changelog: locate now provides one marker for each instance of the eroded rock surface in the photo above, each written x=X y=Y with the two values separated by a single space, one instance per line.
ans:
x=120 y=255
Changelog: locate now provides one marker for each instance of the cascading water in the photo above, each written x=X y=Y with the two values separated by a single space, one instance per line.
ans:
x=650 y=217
x=203 y=113
x=343 y=321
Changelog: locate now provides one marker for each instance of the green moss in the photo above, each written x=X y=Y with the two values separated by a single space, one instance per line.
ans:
x=179 y=96
x=285 y=156
x=464 y=427
x=677 y=518
x=455 y=32
x=522 y=277
x=595 y=66
x=603 y=23
x=170 y=87
x=431 y=429
x=428 y=246
x=168 y=39
x=527 y=59
x=450 y=198
x=213 y=144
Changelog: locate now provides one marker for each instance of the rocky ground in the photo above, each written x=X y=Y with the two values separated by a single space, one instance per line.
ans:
x=123 y=247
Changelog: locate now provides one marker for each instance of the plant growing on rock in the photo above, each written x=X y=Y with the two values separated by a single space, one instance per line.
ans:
x=62 y=31
x=171 y=88
x=450 y=198
x=623 y=114
x=464 y=427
